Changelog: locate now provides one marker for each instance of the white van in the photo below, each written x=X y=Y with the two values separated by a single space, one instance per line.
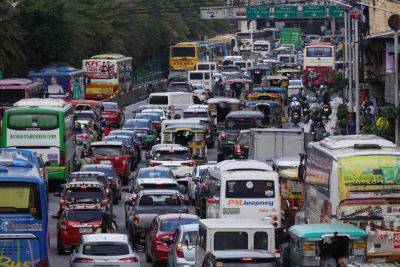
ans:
x=173 y=103
x=242 y=64
x=207 y=66
x=261 y=47
x=233 y=234
x=201 y=76
x=243 y=189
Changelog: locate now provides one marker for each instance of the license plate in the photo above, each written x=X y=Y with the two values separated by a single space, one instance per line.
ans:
x=85 y=230
x=360 y=245
x=308 y=247
x=105 y=162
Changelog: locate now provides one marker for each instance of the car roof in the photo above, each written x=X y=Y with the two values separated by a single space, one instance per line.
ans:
x=105 y=143
x=160 y=181
x=242 y=253
x=102 y=238
x=97 y=166
x=159 y=191
x=139 y=120
x=157 y=168
x=177 y=216
x=245 y=113
x=87 y=183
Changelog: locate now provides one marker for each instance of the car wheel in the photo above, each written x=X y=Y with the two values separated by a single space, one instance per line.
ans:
x=60 y=249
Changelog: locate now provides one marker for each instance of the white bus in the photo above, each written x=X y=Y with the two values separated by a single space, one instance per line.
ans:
x=243 y=189
x=319 y=55
x=356 y=179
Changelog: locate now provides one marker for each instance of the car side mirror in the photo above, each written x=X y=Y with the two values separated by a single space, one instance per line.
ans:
x=167 y=240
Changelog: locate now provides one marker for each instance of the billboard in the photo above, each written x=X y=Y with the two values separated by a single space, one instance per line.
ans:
x=223 y=12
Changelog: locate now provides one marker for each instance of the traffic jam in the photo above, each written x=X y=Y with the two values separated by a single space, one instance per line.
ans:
x=231 y=160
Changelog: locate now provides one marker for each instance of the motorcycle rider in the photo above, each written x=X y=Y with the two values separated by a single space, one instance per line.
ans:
x=295 y=107
x=317 y=127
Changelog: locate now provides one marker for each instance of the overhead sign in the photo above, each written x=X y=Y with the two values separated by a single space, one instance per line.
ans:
x=314 y=11
x=286 y=12
x=223 y=12
x=291 y=36
x=258 y=12
x=335 y=12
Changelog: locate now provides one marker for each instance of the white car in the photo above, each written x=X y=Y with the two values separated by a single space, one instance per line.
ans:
x=104 y=250
x=200 y=91
x=185 y=245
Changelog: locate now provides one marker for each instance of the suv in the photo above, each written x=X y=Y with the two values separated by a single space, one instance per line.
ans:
x=115 y=153
x=77 y=220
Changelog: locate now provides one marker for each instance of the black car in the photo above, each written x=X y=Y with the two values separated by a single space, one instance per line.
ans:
x=234 y=123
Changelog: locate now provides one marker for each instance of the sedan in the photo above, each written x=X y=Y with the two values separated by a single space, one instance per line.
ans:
x=104 y=250
x=113 y=114
x=182 y=251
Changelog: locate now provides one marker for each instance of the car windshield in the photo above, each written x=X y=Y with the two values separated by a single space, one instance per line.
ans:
x=148 y=116
x=106 y=249
x=172 y=155
x=170 y=225
x=158 y=113
x=81 y=177
x=160 y=200
x=191 y=236
x=107 y=151
x=83 y=215
x=230 y=69
x=195 y=114
x=230 y=240
x=20 y=198
x=89 y=168
x=243 y=123
x=136 y=124
x=84 y=115
x=148 y=173
x=110 y=106
x=77 y=193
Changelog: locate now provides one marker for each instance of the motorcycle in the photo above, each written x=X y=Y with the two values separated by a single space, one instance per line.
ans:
x=295 y=115
x=317 y=130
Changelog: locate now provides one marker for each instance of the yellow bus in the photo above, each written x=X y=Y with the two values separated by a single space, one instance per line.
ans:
x=185 y=55
x=107 y=75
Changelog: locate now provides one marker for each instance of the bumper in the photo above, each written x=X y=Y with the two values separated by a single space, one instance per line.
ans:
x=161 y=253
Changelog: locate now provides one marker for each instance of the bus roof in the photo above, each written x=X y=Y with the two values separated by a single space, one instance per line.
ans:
x=110 y=56
x=56 y=70
x=18 y=83
x=40 y=102
x=18 y=169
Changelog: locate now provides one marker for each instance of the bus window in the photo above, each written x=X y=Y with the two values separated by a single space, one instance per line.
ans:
x=196 y=76
x=261 y=240
x=250 y=189
x=203 y=67
x=183 y=52
x=30 y=121
x=20 y=198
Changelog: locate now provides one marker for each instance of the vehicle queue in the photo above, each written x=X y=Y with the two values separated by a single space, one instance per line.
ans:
x=306 y=202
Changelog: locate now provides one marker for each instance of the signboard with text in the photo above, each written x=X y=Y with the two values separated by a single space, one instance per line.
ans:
x=223 y=12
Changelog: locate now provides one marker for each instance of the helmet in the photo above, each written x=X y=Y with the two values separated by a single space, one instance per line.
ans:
x=314 y=108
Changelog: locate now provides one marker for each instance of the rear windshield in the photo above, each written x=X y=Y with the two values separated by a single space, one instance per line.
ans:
x=242 y=123
x=77 y=178
x=172 y=155
x=83 y=193
x=231 y=69
x=107 y=151
x=105 y=249
x=158 y=100
x=171 y=225
x=136 y=124
x=155 y=174
x=160 y=186
x=10 y=96
x=83 y=215
x=193 y=114
x=230 y=240
x=110 y=106
x=250 y=189
x=107 y=171
x=196 y=76
x=33 y=121
x=160 y=200
x=20 y=198
x=148 y=116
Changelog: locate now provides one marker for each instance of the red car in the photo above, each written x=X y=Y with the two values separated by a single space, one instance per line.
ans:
x=161 y=232
x=112 y=114
x=78 y=220
x=114 y=153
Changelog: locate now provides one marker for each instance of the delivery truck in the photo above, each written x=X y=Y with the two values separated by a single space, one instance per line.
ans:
x=270 y=144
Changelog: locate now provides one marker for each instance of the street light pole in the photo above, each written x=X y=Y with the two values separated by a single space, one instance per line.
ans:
x=396 y=83
x=350 y=62
x=357 y=76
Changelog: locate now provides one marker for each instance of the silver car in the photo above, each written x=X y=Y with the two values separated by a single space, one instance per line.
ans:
x=182 y=251
x=104 y=250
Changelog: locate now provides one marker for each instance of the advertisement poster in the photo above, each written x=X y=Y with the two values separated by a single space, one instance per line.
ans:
x=100 y=69
x=59 y=86
x=368 y=172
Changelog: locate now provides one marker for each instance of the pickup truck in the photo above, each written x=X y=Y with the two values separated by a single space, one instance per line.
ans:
x=149 y=204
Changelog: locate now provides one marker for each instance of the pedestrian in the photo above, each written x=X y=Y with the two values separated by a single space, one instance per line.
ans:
x=218 y=88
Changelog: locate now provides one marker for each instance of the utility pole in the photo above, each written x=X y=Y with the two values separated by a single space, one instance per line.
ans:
x=396 y=83
x=357 y=76
x=350 y=62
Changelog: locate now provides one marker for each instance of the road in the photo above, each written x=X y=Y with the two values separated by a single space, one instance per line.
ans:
x=63 y=260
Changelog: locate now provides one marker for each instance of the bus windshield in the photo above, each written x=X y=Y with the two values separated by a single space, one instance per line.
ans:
x=20 y=198
x=319 y=51
x=8 y=97
x=183 y=51
x=30 y=121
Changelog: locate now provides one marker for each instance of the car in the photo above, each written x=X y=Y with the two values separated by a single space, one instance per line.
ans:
x=132 y=134
x=104 y=250
x=115 y=153
x=234 y=123
x=112 y=114
x=196 y=179
x=79 y=219
x=161 y=233
x=173 y=156
x=146 y=106
x=158 y=111
x=148 y=205
x=154 y=172
x=179 y=87
x=242 y=145
x=82 y=192
x=182 y=251
x=84 y=116
x=144 y=130
x=240 y=257
x=112 y=177
x=84 y=135
x=154 y=118
x=129 y=143
x=145 y=184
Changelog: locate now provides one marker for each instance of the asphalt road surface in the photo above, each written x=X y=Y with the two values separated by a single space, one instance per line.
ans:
x=63 y=260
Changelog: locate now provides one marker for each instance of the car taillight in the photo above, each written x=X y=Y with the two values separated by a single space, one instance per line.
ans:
x=238 y=149
x=43 y=263
x=136 y=218
x=153 y=164
x=82 y=260
x=179 y=251
x=189 y=164
x=63 y=226
x=129 y=259
x=222 y=136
